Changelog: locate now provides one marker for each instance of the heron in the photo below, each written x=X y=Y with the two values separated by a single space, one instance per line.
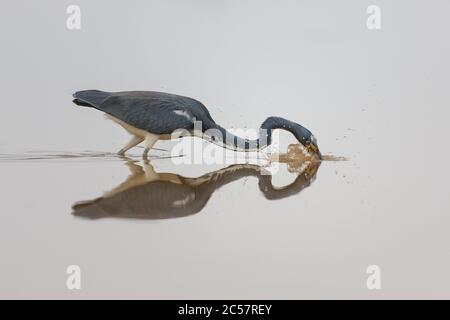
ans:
x=150 y=116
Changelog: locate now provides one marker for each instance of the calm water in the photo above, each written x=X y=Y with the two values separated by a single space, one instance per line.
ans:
x=226 y=232
x=379 y=98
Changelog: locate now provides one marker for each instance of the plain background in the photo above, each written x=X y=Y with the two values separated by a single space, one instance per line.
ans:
x=379 y=97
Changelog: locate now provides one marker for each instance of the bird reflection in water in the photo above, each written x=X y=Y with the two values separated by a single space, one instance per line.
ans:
x=146 y=194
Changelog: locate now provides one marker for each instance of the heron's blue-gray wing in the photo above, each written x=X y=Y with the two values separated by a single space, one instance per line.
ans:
x=154 y=115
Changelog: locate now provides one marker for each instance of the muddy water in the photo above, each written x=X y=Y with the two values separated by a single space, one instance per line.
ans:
x=154 y=229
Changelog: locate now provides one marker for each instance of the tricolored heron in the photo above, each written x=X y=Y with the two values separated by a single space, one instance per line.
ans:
x=149 y=116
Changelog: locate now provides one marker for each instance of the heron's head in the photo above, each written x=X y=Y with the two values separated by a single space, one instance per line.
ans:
x=303 y=135
x=310 y=142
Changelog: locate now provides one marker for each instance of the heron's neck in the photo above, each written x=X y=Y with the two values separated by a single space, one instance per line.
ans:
x=231 y=141
x=228 y=140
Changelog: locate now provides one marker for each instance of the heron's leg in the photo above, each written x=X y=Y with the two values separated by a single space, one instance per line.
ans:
x=150 y=140
x=135 y=140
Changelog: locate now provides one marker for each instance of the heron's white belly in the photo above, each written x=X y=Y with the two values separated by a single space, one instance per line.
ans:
x=136 y=131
